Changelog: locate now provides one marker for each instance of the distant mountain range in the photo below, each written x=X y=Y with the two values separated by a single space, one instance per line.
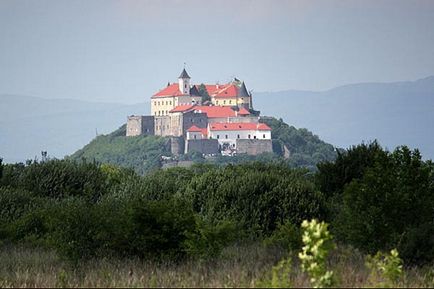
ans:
x=394 y=113
x=29 y=125
x=398 y=113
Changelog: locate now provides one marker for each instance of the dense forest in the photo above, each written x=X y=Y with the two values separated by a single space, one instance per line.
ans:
x=373 y=200
x=143 y=153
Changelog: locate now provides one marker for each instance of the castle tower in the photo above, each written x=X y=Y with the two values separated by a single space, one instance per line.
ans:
x=184 y=82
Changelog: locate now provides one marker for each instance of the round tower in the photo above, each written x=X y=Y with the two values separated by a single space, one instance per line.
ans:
x=184 y=82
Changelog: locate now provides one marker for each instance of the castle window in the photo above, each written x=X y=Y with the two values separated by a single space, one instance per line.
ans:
x=249 y=136
x=224 y=101
x=238 y=136
x=218 y=136
x=194 y=136
x=263 y=135
x=217 y=102
x=230 y=101
x=226 y=136
x=254 y=137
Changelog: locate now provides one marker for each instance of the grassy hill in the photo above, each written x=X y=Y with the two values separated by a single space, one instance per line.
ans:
x=142 y=153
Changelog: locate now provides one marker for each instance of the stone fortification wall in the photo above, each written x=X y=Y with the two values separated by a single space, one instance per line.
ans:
x=254 y=146
x=162 y=126
x=177 y=145
x=140 y=125
x=205 y=146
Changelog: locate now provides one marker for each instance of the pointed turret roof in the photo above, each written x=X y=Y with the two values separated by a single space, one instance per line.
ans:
x=243 y=91
x=184 y=74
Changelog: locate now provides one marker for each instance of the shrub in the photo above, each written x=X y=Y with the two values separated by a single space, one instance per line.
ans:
x=386 y=267
x=73 y=229
x=257 y=195
x=317 y=245
x=208 y=240
x=286 y=235
x=159 y=228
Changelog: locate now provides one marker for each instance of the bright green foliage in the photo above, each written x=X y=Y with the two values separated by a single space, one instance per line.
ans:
x=317 y=245
x=280 y=274
x=386 y=267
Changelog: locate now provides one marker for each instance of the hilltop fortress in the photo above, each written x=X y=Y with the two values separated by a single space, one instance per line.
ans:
x=207 y=118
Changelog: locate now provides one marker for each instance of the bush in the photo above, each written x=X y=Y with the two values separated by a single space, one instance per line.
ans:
x=208 y=240
x=159 y=228
x=257 y=195
x=317 y=245
x=286 y=235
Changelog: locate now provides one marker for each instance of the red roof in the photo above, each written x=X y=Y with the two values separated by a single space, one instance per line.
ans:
x=222 y=90
x=216 y=111
x=171 y=90
x=183 y=108
x=239 y=126
x=194 y=128
x=243 y=111
x=229 y=90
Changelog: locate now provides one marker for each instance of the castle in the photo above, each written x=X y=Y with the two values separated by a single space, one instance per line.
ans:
x=208 y=118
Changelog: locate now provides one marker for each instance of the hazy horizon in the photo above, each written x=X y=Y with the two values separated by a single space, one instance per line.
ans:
x=124 y=51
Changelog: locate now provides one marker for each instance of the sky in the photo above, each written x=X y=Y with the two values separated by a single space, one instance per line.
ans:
x=126 y=50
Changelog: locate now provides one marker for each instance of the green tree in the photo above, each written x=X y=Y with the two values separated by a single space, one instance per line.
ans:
x=391 y=205
x=204 y=93
x=1 y=168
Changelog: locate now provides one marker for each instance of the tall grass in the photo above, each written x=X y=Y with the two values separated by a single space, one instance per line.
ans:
x=246 y=265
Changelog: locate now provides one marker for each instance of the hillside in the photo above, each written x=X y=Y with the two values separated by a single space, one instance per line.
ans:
x=142 y=153
x=395 y=113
